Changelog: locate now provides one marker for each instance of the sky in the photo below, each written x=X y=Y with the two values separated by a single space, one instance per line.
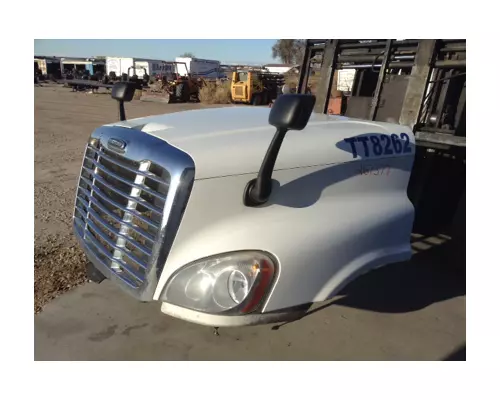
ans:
x=225 y=50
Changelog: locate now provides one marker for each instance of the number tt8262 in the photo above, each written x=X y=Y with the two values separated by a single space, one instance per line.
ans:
x=377 y=145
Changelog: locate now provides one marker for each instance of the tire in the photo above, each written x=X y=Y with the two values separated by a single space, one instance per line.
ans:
x=170 y=98
x=256 y=100
x=265 y=98
x=186 y=95
x=179 y=91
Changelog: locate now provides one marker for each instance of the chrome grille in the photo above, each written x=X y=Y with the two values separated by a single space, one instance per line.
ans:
x=131 y=195
x=119 y=207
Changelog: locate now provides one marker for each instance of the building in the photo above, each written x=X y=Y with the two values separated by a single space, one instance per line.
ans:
x=56 y=66
x=47 y=65
x=81 y=63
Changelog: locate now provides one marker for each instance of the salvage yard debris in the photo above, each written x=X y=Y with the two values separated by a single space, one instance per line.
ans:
x=218 y=92
x=59 y=267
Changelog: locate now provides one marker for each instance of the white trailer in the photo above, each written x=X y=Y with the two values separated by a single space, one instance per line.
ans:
x=198 y=67
x=131 y=66
x=118 y=65
x=152 y=67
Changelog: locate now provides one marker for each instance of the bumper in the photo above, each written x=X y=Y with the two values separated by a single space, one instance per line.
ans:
x=236 y=320
x=96 y=267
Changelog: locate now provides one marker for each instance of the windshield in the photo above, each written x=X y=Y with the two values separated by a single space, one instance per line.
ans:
x=242 y=76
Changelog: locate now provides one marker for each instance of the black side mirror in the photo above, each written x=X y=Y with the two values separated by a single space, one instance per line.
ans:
x=292 y=111
x=123 y=91
x=289 y=112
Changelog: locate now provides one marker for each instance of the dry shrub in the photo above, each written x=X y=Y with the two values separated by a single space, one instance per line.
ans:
x=138 y=94
x=291 y=80
x=218 y=92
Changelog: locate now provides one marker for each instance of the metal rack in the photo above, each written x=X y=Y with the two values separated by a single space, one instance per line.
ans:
x=419 y=83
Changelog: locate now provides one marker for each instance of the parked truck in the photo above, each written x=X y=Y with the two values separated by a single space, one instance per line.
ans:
x=245 y=215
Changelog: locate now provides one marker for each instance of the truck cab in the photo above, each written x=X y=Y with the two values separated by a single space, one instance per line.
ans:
x=239 y=216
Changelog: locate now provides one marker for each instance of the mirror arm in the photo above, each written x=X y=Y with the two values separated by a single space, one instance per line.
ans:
x=122 y=110
x=258 y=190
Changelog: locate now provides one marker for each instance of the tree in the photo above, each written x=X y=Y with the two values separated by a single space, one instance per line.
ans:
x=289 y=51
x=187 y=54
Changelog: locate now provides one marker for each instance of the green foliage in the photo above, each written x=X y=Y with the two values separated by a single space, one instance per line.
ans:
x=289 y=51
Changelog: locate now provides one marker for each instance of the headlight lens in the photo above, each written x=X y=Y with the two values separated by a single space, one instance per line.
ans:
x=235 y=282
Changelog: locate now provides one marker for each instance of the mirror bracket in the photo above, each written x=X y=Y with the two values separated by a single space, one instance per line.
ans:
x=258 y=190
x=123 y=91
x=290 y=112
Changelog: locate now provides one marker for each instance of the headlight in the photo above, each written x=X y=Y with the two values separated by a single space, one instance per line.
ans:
x=231 y=283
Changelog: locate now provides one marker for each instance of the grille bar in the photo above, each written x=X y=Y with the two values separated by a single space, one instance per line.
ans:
x=121 y=207
x=120 y=249
x=128 y=216
x=103 y=209
x=126 y=181
x=115 y=232
x=134 y=199
x=115 y=216
x=126 y=167
x=106 y=254
x=129 y=205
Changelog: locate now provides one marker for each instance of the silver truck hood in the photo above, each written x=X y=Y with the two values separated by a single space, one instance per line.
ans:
x=233 y=140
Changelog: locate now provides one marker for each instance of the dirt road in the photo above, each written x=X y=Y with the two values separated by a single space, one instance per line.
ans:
x=63 y=122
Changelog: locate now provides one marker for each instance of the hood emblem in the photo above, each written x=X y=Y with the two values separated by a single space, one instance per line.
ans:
x=117 y=145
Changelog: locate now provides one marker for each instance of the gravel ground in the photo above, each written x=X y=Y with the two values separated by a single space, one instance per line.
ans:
x=63 y=122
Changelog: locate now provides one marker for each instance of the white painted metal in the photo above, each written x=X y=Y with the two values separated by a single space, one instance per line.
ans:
x=330 y=217
x=198 y=67
x=125 y=65
x=118 y=65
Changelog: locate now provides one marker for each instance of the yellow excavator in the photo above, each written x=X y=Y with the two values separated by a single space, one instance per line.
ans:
x=255 y=87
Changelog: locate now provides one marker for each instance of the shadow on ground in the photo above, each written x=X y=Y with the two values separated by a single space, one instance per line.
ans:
x=429 y=277
x=457 y=355
x=426 y=279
